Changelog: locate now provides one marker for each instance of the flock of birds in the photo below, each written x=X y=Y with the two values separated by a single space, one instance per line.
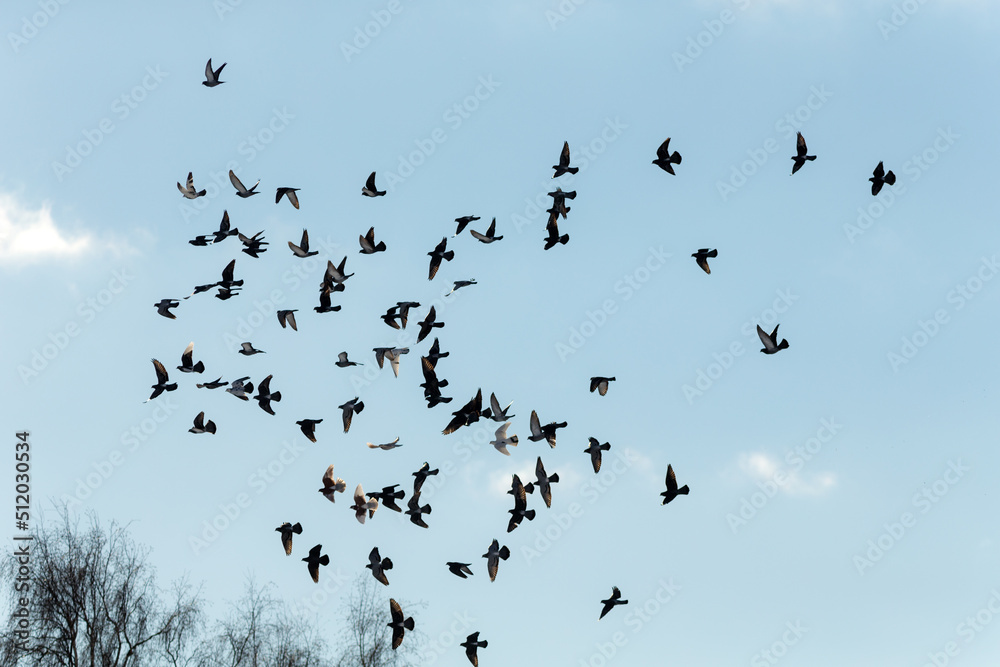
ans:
x=397 y=317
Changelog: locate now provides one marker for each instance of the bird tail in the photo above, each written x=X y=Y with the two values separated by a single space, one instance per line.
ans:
x=359 y=407
x=564 y=239
x=210 y=427
x=529 y=487
x=380 y=247
x=572 y=170
x=684 y=490
x=199 y=367
x=783 y=344
x=297 y=529
x=386 y=564
x=554 y=477
x=605 y=447
x=890 y=178
x=810 y=157
x=248 y=388
x=408 y=623
x=530 y=515
x=276 y=396
x=504 y=553
x=324 y=559
x=483 y=644
x=513 y=439
x=675 y=158
x=426 y=509
x=450 y=255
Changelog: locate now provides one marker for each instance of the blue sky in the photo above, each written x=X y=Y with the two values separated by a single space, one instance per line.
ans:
x=876 y=426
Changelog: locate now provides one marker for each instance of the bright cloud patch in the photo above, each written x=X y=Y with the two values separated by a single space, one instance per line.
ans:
x=762 y=467
x=32 y=234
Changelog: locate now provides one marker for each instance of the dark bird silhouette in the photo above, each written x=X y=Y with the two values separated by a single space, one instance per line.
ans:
x=325 y=303
x=435 y=353
x=427 y=324
x=464 y=221
x=495 y=413
x=701 y=257
x=552 y=227
x=422 y=474
x=404 y=310
x=547 y=432
x=459 y=569
x=227 y=277
x=214 y=384
x=881 y=177
x=520 y=510
x=493 y=556
x=241 y=190
x=293 y=198
x=387 y=446
x=392 y=354
x=543 y=483
x=253 y=245
x=800 y=153
x=190 y=192
x=225 y=229
x=349 y=409
x=314 y=560
x=559 y=208
x=563 y=166
x=225 y=293
x=370 y=190
x=415 y=511
x=334 y=278
x=332 y=485
x=666 y=160
x=437 y=255
x=368 y=245
x=164 y=306
x=558 y=195
x=240 y=390
x=460 y=284
x=308 y=427
x=248 y=350
x=398 y=623
x=287 y=530
x=612 y=601
x=466 y=415
x=490 y=235
x=672 y=490
x=378 y=566
x=600 y=384
x=212 y=76
x=388 y=496
x=471 y=644
x=287 y=317
x=343 y=362
x=769 y=341
x=162 y=381
x=200 y=426
x=264 y=395
x=390 y=317
x=200 y=241
x=302 y=249
x=594 y=449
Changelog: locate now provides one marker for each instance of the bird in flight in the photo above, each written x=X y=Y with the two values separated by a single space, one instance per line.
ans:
x=800 y=156
x=547 y=432
x=287 y=317
x=493 y=556
x=387 y=446
x=240 y=390
x=162 y=381
x=164 y=306
x=212 y=76
x=563 y=166
x=459 y=569
x=248 y=350
x=370 y=190
x=378 y=566
x=666 y=160
x=214 y=384
x=494 y=412
x=287 y=529
x=200 y=426
x=489 y=236
x=881 y=177
x=600 y=384
x=471 y=644
x=612 y=601
x=225 y=229
x=460 y=284
x=363 y=507
x=594 y=449
x=308 y=427
x=464 y=221
x=502 y=440
x=769 y=341
x=520 y=510
x=189 y=192
x=416 y=512
x=437 y=255
x=701 y=257
x=543 y=483
x=349 y=409
x=302 y=249
x=398 y=624
x=290 y=194
x=264 y=395
x=332 y=485
x=428 y=323
x=241 y=190
x=388 y=496
x=672 y=490
x=314 y=560
x=368 y=245
x=422 y=474
x=552 y=227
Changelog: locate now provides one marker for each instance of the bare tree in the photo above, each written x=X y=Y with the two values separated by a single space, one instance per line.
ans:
x=366 y=638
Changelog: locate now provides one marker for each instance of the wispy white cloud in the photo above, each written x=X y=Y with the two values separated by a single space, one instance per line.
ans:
x=761 y=467
x=29 y=234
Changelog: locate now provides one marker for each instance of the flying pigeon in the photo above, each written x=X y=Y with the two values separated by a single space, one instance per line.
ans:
x=600 y=384
x=370 y=190
x=387 y=446
x=247 y=349
x=547 y=432
x=264 y=395
x=502 y=440
x=240 y=390
x=701 y=257
x=325 y=303
x=290 y=194
x=594 y=449
x=214 y=384
x=558 y=208
x=563 y=166
x=489 y=236
x=427 y=324
x=388 y=496
x=212 y=76
x=495 y=413
x=241 y=190
x=398 y=623
x=253 y=245
x=769 y=341
x=302 y=250
x=363 y=507
x=342 y=361
x=287 y=317
x=227 y=276
x=162 y=380
x=308 y=427
x=164 y=306
x=187 y=365
x=415 y=511
x=552 y=227
x=466 y=415
x=225 y=229
x=493 y=556
x=459 y=569
x=332 y=485
x=666 y=160
x=800 y=153
x=437 y=255
x=368 y=245
x=189 y=192
x=392 y=354
x=200 y=426
x=390 y=317
x=335 y=276
x=422 y=474
x=472 y=643
x=520 y=510
x=612 y=602
x=314 y=560
x=378 y=566
x=404 y=310
x=200 y=241
x=435 y=353
x=463 y=222
x=672 y=490
x=543 y=483
x=460 y=284
x=286 y=529
x=349 y=409
x=881 y=177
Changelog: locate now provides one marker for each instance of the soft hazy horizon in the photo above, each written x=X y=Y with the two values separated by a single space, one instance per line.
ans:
x=840 y=508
